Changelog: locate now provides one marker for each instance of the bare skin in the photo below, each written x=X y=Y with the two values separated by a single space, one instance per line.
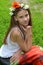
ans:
x=25 y=45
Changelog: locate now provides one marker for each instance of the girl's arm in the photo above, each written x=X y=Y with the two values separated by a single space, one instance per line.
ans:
x=16 y=37
x=25 y=45
x=29 y=37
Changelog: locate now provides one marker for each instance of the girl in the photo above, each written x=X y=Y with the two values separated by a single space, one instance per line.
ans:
x=19 y=38
x=19 y=35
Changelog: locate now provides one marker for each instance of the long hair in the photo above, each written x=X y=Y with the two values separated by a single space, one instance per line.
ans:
x=14 y=23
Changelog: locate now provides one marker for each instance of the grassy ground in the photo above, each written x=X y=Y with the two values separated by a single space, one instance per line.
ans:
x=36 y=7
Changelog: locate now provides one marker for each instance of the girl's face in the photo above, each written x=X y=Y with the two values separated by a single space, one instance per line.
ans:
x=23 y=17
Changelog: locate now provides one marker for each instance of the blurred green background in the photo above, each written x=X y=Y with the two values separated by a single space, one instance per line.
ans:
x=36 y=8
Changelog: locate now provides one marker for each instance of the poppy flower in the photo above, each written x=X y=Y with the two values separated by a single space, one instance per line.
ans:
x=16 y=5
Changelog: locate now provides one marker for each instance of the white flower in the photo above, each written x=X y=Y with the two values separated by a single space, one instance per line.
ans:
x=21 y=5
x=26 y=7
x=11 y=13
x=12 y=9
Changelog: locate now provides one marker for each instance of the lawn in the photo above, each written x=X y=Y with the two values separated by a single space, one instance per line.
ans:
x=36 y=7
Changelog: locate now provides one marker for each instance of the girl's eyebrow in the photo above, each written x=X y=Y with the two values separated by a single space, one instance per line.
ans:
x=25 y=15
x=20 y=16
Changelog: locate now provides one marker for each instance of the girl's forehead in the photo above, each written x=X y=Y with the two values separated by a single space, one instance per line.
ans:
x=22 y=12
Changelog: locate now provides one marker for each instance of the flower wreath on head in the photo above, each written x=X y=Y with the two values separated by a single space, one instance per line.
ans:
x=16 y=5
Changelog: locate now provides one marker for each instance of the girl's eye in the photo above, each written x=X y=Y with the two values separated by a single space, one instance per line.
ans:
x=21 y=17
x=26 y=15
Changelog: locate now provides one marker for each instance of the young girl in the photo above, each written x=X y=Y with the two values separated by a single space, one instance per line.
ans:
x=19 y=36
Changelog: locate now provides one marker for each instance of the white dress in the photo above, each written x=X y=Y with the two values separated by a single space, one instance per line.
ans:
x=10 y=48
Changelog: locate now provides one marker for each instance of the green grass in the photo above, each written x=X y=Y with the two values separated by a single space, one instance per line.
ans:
x=36 y=7
x=4 y=18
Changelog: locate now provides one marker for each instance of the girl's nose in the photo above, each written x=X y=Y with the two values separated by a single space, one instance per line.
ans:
x=25 y=18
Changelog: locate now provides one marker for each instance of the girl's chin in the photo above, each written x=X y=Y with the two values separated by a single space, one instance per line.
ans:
x=25 y=25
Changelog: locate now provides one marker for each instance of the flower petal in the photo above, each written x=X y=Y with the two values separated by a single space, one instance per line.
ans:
x=11 y=13
x=26 y=7
x=21 y=5
x=16 y=5
x=12 y=9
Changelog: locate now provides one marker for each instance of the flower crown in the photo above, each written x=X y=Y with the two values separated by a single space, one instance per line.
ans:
x=16 y=5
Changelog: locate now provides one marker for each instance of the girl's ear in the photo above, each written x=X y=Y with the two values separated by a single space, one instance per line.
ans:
x=15 y=18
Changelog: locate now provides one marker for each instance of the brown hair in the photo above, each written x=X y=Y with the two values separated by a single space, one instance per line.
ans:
x=14 y=23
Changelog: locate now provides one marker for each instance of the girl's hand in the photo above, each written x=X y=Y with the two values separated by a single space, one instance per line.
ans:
x=29 y=30
x=15 y=57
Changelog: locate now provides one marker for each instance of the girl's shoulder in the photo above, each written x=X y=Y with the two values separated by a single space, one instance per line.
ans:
x=15 y=30
x=15 y=34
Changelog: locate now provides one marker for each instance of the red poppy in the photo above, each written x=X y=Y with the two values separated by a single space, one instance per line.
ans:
x=16 y=5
